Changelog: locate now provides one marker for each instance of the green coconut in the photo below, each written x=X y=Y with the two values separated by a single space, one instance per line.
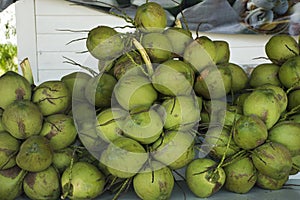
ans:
x=179 y=39
x=203 y=177
x=35 y=154
x=250 y=132
x=82 y=181
x=281 y=47
x=13 y=87
x=126 y=63
x=62 y=158
x=241 y=176
x=295 y=118
x=174 y=148
x=158 y=47
x=180 y=113
x=144 y=126
x=11 y=183
x=200 y=53
x=265 y=73
x=104 y=43
x=134 y=92
x=76 y=83
x=286 y=133
x=264 y=104
x=52 y=97
x=109 y=125
x=153 y=182
x=150 y=17
x=99 y=90
x=268 y=183
x=216 y=143
x=173 y=78
x=239 y=77
x=294 y=100
x=222 y=51
x=213 y=82
x=273 y=160
x=42 y=185
x=289 y=72
x=22 y=119
x=60 y=130
x=9 y=147
x=124 y=157
x=280 y=95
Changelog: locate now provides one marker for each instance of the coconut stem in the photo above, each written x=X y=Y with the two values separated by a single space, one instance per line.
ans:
x=27 y=71
x=144 y=55
x=124 y=186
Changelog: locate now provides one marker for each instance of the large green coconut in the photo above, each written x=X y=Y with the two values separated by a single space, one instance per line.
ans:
x=22 y=119
x=286 y=133
x=126 y=63
x=289 y=72
x=9 y=147
x=180 y=113
x=150 y=17
x=280 y=95
x=42 y=185
x=264 y=104
x=157 y=46
x=174 y=148
x=266 y=73
x=179 y=39
x=13 y=87
x=294 y=100
x=35 y=154
x=62 y=158
x=173 y=78
x=273 y=160
x=60 y=130
x=11 y=183
x=99 y=90
x=249 y=132
x=200 y=53
x=216 y=143
x=82 y=181
x=280 y=48
x=204 y=178
x=144 y=126
x=222 y=51
x=153 y=182
x=76 y=83
x=213 y=82
x=239 y=77
x=104 y=43
x=52 y=97
x=109 y=124
x=241 y=176
x=268 y=183
x=134 y=92
x=124 y=157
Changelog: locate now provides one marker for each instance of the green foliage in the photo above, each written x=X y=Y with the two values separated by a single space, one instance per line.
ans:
x=8 y=57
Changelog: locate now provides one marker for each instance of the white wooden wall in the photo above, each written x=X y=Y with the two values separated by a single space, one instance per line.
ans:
x=39 y=36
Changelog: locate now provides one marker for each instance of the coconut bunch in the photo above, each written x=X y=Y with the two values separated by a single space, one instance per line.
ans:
x=39 y=141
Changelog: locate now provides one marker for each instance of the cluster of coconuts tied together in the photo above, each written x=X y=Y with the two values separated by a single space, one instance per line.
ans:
x=161 y=101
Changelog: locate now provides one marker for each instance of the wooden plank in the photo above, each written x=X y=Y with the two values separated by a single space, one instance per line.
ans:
x=56 y=60
x=247 y=56
x=26 y=37
x=59 y=42
x=55 y=24
x=62 y=7
x=47 y=75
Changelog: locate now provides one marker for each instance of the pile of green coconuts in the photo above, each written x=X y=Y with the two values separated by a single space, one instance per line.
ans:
x=161 y=102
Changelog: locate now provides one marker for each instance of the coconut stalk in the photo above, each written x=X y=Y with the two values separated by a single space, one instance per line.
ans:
x=27 y=71
x=144 y=55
